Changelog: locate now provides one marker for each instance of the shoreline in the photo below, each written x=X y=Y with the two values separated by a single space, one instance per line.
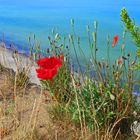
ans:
x=9 y=62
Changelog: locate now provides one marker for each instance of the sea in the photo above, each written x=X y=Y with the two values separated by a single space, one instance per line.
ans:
x=18 y=22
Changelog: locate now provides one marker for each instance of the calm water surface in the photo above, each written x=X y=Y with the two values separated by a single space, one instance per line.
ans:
x=18 y=22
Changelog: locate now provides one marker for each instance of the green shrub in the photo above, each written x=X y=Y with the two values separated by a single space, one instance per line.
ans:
x=103 y=102
x=133 y=29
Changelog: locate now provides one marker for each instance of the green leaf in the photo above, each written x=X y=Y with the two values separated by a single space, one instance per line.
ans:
x=138 y=53
x=111 y=114
x=138 y=65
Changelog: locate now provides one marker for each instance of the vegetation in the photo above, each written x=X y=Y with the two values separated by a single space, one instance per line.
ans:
x=93 y=103
x=133 y=29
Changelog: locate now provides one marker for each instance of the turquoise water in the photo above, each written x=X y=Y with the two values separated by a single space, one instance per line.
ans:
x=18 y=22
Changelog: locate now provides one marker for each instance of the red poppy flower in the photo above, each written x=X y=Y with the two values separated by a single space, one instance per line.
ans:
x=49 y=62
x=115 y=39
x=48 y=67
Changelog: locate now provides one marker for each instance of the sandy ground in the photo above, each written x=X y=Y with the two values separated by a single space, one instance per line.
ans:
x=8 y=61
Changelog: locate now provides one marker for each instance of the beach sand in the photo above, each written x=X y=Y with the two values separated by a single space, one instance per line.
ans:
x=7 y=59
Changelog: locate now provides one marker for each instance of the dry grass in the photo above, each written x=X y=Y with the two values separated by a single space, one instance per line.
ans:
x=25 y=116
x=25 y=112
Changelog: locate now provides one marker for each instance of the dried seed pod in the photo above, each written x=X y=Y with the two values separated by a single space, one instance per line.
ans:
x=117 y=76
x=133 y=62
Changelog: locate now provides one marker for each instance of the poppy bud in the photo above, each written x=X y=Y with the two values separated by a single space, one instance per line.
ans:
x=113 y=66
x=119 y=61
x=94 y=36
x=122 y=48
x=29 y=38
x=128 y=54
x=15 y=51
x=57 y=36
x=117 y=76
x=39 y=56
x=61 y=56
x=99 y=64
x=95 y=24
x=124 y=57
x=87 y=28
x=103 y=64
x=70 y=38
x=49 y=38
x=107 y=64
x=48 y=50
x=72 y=22
x=113 y=72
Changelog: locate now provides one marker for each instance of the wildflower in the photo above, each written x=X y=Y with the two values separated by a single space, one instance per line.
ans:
x=115 y=39
x=61 y=56
x=119 y=61
x=48 y=67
